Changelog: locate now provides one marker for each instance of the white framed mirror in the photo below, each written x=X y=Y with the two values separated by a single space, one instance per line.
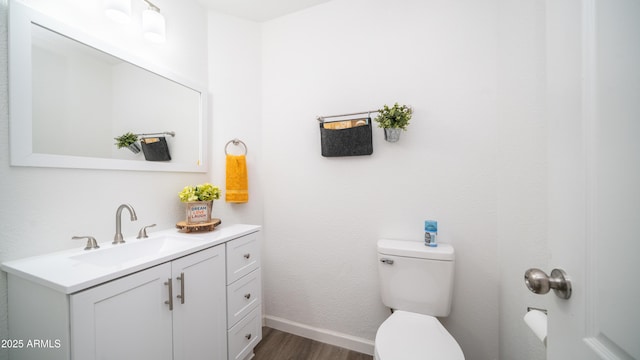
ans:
x=70 y=95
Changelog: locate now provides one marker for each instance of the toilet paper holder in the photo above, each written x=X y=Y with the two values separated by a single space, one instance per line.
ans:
x=536 y=320
x=529 y=308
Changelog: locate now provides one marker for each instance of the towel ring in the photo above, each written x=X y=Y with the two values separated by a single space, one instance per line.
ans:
x=236 y=142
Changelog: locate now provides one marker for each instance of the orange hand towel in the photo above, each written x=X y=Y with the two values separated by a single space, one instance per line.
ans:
x=237 y=183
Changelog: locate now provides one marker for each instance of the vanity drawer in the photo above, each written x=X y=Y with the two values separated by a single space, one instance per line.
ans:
x=245 y=335
x=243 y=296
x=243 y=256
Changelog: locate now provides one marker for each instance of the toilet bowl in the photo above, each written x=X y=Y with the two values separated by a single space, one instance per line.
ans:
x=416 y=281
x=410 y=336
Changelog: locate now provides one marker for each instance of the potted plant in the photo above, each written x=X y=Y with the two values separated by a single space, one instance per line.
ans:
x=393 y=119
x=128 y=140
x=199 y=201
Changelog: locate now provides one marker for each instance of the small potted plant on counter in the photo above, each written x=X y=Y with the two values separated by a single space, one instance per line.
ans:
x=128 y=140
x=199 y=202
x=393 y=119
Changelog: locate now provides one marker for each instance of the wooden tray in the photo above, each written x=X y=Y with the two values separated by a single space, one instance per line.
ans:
x=205 y=226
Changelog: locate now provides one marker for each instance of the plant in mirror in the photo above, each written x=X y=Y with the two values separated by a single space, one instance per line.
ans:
x=128 y=140
x=72 y=94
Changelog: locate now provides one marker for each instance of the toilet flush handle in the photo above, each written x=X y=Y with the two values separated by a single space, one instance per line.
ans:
x=387 y=261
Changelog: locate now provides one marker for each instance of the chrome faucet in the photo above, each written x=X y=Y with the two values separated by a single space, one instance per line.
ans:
x=91 y=242
x=118 y=239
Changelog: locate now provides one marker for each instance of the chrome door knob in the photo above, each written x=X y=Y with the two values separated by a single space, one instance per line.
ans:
x=540 y=283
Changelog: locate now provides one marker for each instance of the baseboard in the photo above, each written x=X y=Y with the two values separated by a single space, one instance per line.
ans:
x=322 y=335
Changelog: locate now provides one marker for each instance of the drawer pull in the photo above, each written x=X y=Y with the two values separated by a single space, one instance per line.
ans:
x=247 y=255
x=248 y=336
x=247 y=296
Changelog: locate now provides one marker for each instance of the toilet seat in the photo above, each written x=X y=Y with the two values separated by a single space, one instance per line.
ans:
x=411 y=336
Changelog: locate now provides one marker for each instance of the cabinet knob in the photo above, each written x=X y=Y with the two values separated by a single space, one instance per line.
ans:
x=247 y=255
x=247 y=296
x=248 y=336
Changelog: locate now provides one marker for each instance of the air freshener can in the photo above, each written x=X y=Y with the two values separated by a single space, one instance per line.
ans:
x=430 y=233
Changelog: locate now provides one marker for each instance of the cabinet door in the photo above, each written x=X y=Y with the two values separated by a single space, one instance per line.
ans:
x=126 y=318
x=199 y=314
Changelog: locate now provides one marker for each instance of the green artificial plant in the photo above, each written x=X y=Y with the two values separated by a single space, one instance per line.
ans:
x=395 y=117
x=125 y=140
x=202 y=192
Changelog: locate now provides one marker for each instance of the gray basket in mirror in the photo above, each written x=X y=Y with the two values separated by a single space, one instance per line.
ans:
x=155 y=148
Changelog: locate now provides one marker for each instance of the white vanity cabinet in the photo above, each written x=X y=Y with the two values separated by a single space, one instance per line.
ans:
x=199 y=318
x=244 y=294
x=202 y=302
x=125 y=318
x=142 y=315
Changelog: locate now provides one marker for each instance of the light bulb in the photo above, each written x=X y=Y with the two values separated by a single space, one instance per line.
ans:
x=153 y=25
x=118 y=10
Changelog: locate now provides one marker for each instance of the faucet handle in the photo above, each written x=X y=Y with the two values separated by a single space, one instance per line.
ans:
x=142 y=234
x=91 y=242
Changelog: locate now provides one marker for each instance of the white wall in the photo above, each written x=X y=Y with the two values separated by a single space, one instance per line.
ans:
x=522 y=159
x=43 y=208
x=323 y=216
x=235 y=103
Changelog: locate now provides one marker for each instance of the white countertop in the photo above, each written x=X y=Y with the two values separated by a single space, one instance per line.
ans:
x=61 y=271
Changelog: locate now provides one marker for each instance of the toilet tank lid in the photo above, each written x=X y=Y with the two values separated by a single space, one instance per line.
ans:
x=416 y=249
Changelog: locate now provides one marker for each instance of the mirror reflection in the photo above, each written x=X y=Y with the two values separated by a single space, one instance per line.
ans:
x=71 y=95
x=83 y=98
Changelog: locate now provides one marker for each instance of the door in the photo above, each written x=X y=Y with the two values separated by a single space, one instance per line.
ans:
x=593 y=97
x=200 y=311
x=125 y=318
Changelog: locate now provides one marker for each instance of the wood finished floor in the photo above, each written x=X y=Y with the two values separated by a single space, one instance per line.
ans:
x=278 y=345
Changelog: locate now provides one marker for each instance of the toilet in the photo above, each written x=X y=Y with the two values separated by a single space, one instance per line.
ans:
x=416 y=282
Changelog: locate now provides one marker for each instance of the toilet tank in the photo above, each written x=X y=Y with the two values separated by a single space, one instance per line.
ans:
x=416 y=278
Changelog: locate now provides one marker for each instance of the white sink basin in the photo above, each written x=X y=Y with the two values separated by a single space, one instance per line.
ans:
x=140 y=250
x=73 y=270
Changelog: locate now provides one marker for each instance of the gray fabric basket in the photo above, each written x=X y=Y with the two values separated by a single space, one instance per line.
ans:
x=353 y=141
x=155 y=149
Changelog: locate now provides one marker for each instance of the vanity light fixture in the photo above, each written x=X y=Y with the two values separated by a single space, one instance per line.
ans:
x=118 y=10
x=153 y=24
